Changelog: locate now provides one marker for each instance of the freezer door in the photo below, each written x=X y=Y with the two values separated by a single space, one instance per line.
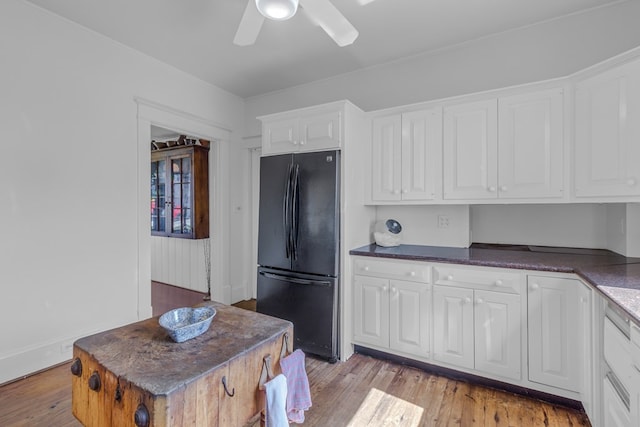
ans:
x=316 y=213
x=310 y=303
x=273 y=226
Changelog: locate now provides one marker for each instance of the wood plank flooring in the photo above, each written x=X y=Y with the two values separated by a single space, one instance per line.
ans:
x=363 y=391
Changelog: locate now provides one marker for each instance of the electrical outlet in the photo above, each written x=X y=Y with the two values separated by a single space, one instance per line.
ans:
x=443 y=221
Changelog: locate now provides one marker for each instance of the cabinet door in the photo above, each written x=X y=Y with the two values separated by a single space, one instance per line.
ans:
x=421 y=153
x=554 y=339
x=530 y=145
x=386 y=158
x=607 y=133
x=453 y=326
x=588 y=373
x=409 y=312
x=280 y=136
x=371 y=310
x=470 y=151
x=616 y=413
x=498 y=333
x=321 y=132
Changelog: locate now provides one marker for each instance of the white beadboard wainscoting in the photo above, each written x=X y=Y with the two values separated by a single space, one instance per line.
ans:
x=179 y=262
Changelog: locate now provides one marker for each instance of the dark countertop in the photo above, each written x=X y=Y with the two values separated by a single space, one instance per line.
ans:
x=143 y=354
x=615 y=276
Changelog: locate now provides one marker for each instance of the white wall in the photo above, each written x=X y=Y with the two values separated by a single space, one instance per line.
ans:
x=623 y=228
x=69 y=176
x=633 y=229
x=553 y=49
x=179 y=262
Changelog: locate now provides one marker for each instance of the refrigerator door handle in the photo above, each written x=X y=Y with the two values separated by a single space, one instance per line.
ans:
x=295 y=280
x=286 y=207
x=295 y=216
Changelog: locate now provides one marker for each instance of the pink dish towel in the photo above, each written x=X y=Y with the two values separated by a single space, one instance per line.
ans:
x=276 y=396
x=298 y=393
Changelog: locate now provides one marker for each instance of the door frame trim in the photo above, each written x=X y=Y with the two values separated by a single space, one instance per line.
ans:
x=152 y=113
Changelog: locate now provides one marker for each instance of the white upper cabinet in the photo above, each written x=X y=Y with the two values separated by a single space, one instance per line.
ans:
x=320 y=132
x=470 y=151
x=280 y=136
x=421 y=153
x=607 y=133
x=308 y=130
x=530 y=145
x=386 y=173
x=406 y=156
x=509 y=148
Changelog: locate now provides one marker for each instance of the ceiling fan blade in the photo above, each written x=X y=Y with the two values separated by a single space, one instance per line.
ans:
x=250 y=25
x=325 y=14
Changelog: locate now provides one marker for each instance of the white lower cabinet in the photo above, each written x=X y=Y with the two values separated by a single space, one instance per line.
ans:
x=497 y=334
x=554 y=323
x=392 y=314
x=615 y=411
x=635 y=380
x=453 y=326
x=371 y=310
x=480 y=320
x=477 y=329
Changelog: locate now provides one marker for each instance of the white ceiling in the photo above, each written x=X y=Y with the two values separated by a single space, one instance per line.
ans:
x=196 y=36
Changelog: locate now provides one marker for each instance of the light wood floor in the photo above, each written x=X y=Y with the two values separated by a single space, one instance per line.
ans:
x=360 y=392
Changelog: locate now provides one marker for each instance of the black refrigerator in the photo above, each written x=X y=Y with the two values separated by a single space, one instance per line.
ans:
x=298 y=246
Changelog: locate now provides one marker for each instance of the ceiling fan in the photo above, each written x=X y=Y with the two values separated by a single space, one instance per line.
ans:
x=322 y=12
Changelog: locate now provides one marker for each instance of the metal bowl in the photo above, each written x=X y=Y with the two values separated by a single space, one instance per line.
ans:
x=187 y=322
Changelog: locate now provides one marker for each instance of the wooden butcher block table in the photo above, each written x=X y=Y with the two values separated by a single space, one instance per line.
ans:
x=137 y=376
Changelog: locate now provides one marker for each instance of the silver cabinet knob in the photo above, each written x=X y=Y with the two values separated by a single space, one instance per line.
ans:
x=365 y=268
x=534 y=286
x=503 y=188
x=449 y=277
x=498 y=282
x=412 y=273
x=479 y=301
x=492 y=189
x=467 y=300
x=631 y=182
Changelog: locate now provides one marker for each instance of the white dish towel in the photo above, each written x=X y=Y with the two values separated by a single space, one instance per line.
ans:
x=276 y=393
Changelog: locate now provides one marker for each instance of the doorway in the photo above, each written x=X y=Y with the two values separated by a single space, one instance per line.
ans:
x=151 y=117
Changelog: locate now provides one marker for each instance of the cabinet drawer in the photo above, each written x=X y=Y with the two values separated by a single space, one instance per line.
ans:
x=401 y=270
x=617 y=354
x=635 y=346
x=478 y=278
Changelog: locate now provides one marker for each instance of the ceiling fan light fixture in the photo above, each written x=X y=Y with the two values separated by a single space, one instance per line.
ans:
x=278 y=10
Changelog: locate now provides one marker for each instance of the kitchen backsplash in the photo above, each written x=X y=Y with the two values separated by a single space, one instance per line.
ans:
x=430 y=225
x=573 y=225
